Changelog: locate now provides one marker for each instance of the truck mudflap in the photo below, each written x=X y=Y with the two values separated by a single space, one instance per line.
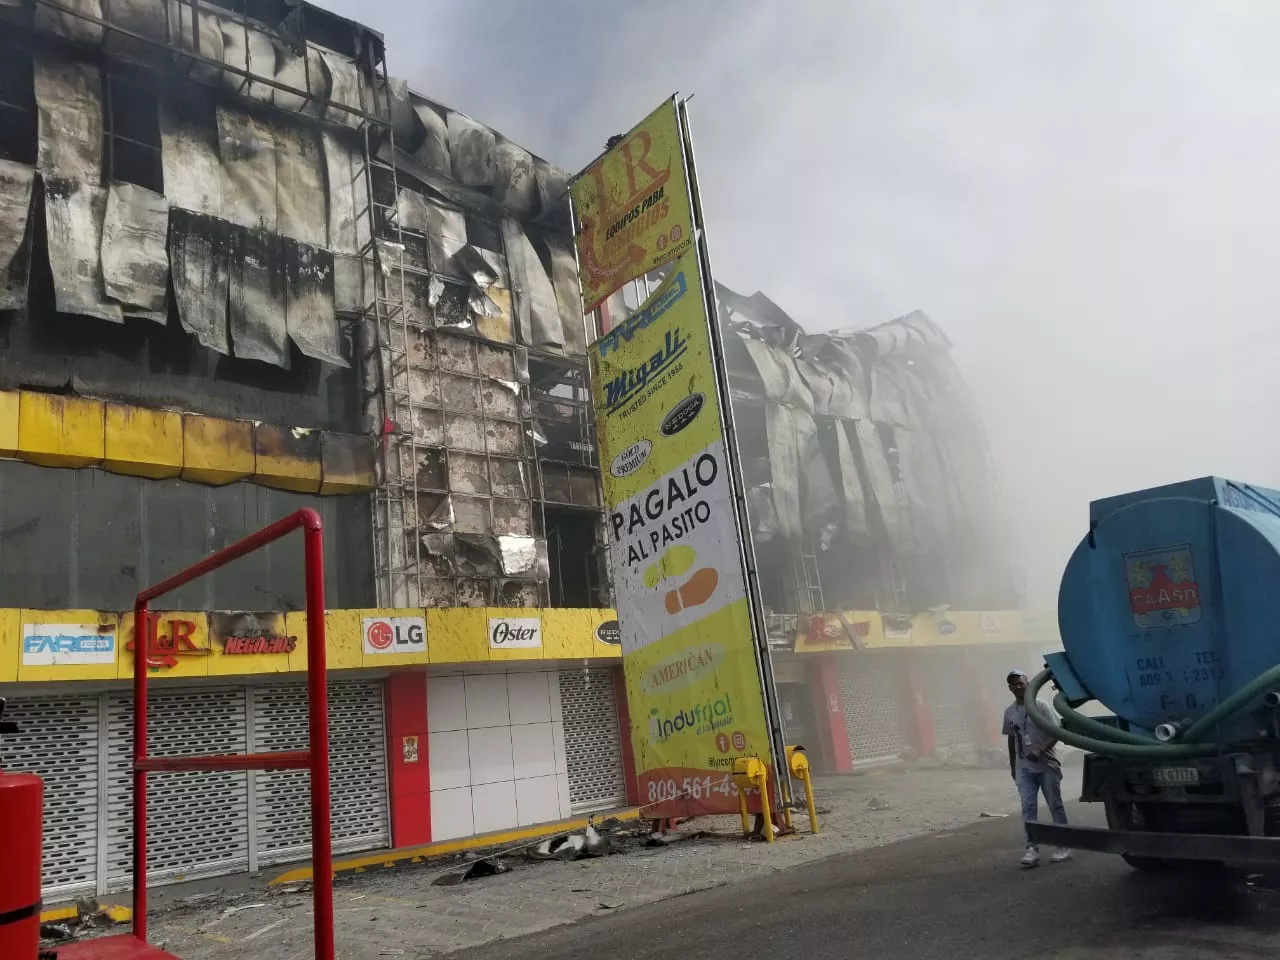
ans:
x=1163 y=846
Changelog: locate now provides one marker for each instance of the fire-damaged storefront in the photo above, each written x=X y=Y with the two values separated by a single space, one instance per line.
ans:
x=243 y=271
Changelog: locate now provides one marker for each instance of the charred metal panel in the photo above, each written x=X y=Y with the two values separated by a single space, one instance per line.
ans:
x=69 y=102
x=70 y=25
x=471 y=148
x=256 y=306
x=73 y=217
x=310 y=319
x=199 y=255
x=300 y=197
x=156 y=366
x=515 y=184
x=784 y=465
x=564 y=278
x=346 y=84
x=434 y=147
x=855 y=500
x=135 y=262
x=536 y=309
x=90 y=539
x=248 y=152
x=16 y=180
x=880 y=477
x=189 y=152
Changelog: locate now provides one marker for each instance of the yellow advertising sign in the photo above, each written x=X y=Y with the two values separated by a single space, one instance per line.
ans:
x=632 y=207
x=687 y=647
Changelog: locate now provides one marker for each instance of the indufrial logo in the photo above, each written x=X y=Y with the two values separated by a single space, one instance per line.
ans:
x=703 y=718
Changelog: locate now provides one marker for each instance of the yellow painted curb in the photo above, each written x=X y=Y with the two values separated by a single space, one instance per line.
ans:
x=391 y=858
x=116 y=913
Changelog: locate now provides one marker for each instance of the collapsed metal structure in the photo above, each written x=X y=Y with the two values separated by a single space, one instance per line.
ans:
x=248 y=172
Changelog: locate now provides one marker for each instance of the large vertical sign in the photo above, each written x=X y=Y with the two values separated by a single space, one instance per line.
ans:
x=688 y=650
x=632 y=207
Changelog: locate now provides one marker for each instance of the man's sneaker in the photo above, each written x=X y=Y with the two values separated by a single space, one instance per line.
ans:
x=1060 y=855
x=1031 y=858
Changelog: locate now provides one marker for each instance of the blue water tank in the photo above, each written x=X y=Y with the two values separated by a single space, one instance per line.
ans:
x=1172 y=602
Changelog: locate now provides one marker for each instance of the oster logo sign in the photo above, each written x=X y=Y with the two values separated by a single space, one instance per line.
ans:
x=395 y=635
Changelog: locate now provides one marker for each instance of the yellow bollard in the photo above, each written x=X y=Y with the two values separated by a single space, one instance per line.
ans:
x=798 y=763
x=751 y=772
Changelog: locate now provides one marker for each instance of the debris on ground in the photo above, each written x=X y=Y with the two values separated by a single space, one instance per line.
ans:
x=875 y=803
x=90 y=915
x=991 y=816
x=491 y=867
x=232 y=911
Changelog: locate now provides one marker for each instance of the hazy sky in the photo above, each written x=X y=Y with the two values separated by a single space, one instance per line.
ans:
x=1084 y=195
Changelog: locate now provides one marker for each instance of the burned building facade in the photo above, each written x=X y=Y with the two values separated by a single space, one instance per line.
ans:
x=245 y=270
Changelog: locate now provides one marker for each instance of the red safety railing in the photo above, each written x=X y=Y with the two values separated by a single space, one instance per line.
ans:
x=315 y=758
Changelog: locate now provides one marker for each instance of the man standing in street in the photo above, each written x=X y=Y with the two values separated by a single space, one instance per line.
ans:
x=1034 y=767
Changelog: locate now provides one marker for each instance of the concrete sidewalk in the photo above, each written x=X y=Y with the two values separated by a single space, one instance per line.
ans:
x=400 y=913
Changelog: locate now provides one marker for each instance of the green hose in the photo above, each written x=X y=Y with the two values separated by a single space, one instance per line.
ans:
x=1144 y=751
x=1101 y=730
x=1267 y=680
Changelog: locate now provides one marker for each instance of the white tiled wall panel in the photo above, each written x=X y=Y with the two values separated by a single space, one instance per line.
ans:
x=497 y=752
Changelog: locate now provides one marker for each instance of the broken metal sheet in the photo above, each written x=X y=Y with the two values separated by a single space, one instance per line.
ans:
x=445 y=229
x=16 y=180
x=199 y=255
x=778 y=373
x=761 y=514
x=855 y=501
x=256 y=299
x=396 y=95
x=72 y=26
x=553 y=193
x=434 y=148
x=310 y=318
x=247 y=146
x=301 y=207
x=481 y=267
x=250 y=49
x=536 y=309
x=564 y=278
x=472 y=147
x=911 y=337
x=883 y=488
x=352 y=278
x=135 y=261
x=198 y=30
x=345 y=87
x=497 y=326
x=189 y=152
x=308 y=80
x=477 y=202
x=73 y=217
x=784 y=466
x=514 y=181
x=69 y=103
x=345 y=175
x=819 y=503
x=888 y=401
x=520 y=555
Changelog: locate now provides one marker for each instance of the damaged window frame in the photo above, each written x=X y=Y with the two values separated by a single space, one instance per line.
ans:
x=19 y=119
x=131 y=92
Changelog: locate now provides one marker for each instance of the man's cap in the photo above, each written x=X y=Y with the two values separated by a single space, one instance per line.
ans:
x=1015 y=673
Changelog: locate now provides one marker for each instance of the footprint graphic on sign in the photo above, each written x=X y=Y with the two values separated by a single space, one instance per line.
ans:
x=676 y=562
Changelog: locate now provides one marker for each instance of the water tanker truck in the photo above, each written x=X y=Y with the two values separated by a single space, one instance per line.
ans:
x=1169 y=612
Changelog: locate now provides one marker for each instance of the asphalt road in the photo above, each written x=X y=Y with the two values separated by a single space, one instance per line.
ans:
x=953 y=896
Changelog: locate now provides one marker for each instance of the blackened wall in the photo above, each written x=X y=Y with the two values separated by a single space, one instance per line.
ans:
x=161 y=366
x=90 y=539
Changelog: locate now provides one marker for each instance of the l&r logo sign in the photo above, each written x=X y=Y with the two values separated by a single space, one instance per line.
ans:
x=166 y=646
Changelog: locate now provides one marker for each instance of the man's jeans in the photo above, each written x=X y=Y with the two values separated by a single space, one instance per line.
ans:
x=1030 y=785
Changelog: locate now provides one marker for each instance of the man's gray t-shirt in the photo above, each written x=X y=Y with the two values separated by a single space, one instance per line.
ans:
x=1029 y=738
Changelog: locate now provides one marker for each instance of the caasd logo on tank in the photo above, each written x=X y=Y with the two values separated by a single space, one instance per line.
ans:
x=702 y=718
x=673 y=673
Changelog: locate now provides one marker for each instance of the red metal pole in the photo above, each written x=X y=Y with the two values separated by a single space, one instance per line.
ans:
x=318 y=709
x=141 y=647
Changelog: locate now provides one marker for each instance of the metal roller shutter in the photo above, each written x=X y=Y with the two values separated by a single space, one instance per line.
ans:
x=59 y=742
x=357 y=770
x=197 y=823
x=873 y=693
x=953 y=702
x=592 y=744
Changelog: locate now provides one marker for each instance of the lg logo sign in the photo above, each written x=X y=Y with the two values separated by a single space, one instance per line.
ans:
x=395 y=635
x=506 y=633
